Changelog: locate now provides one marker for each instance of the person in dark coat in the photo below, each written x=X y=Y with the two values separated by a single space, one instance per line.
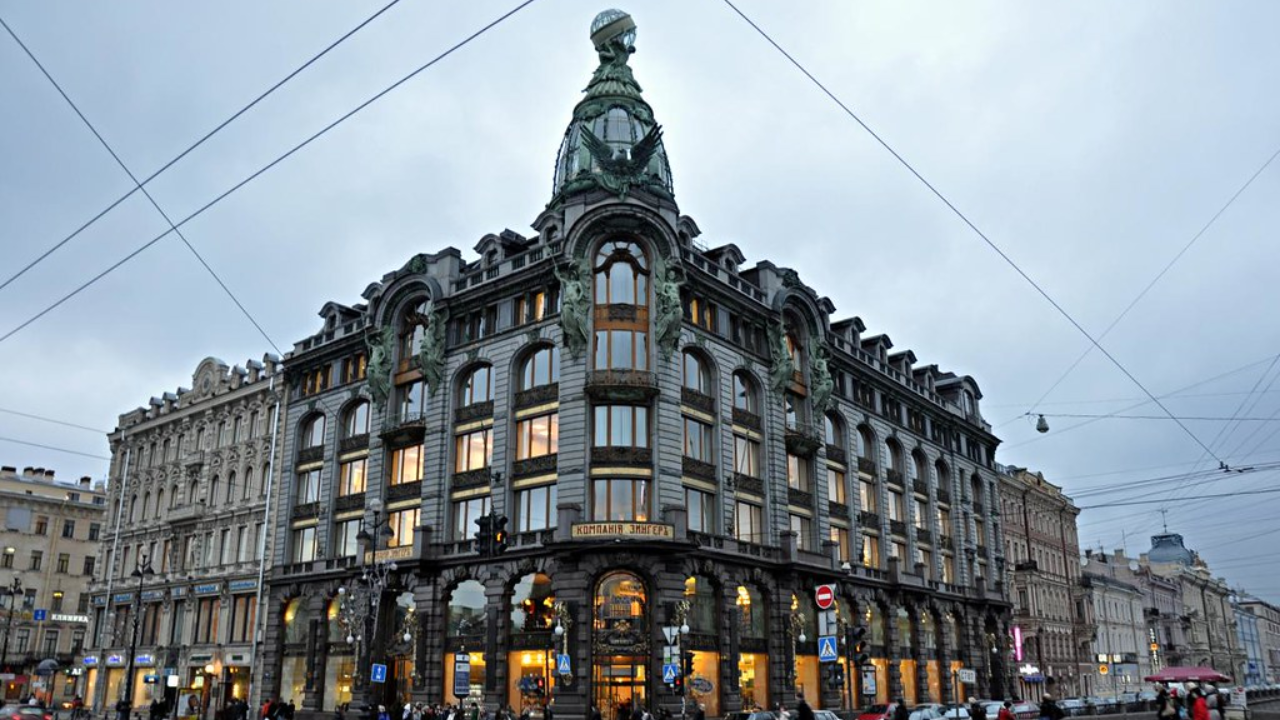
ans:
x=1049 y=709
x=803 y=711
x=900 y=711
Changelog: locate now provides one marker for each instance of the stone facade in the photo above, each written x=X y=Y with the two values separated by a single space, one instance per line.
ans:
x=1113 y=603
x=50 y=543
x=673 y=438
x=1207 y=619
x=1043 y=574
x=1268 y=634
x=188 y=490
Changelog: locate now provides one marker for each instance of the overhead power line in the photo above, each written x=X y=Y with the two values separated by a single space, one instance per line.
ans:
x=1157 y=501
x=55 y=448
x=1137 y=298
x=1118 y=416
x=977 y=231
x=145 y=192
x=41 y=418
x=265 y=168
x=197 y=144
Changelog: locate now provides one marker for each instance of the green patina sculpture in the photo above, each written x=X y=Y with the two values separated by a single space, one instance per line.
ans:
x=667 y=280
x=782 y=366
x=613 y=142
x=431 y=350
x=380 y=344
x=575 y=304
x=820 y=383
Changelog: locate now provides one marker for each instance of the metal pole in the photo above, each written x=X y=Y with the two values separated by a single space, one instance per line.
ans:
x=259 y=620
x=103 y=671
x=127 y=701
x=8 y=625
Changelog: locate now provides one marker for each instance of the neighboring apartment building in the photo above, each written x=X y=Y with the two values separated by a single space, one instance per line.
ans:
x=1113 y=602
x=673 y=438
x=190 y=474
x=1269 y=634
x=1052 y=639
x=1208 y=621
x=48 y=546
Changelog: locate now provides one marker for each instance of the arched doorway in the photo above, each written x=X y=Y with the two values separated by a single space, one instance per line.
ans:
x=620 y=643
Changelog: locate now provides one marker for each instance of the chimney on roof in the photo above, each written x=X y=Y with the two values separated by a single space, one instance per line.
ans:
x=48 y=475
x=85 y=480
x=27 y=470
x=8 y=471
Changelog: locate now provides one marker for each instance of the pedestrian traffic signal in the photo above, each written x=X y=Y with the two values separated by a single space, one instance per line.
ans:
x=540 y=685
x=686 y=664
x=835 y=676
x=677 y=685
x=484 y=537
x=500 y=535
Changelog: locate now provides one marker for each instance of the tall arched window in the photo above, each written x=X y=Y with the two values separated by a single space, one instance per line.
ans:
x=231 y=486
x=146 y=501
x=895 y=457
x=476 y=387
x=532 y=601
x=355 y=421
x=413 y=328
x=866 y=444
x=745 y=395
x=313 y=432
x=213 y=491
x=753 y=661
x=695 y=374
x=622 y=307
x=541 y=367
x=833 y=428
x=248 y=484
x=159 y=501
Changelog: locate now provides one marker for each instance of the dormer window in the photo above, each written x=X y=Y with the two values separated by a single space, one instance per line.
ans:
x=966 y=403
x=491 y=258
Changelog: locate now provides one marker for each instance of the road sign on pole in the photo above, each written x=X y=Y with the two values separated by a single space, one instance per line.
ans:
x=670 y=632
x=562 y=664
x=378 y=673
x=968 y=676
x=824 y=596
x=40 y=615
x=670 y=672
x=827 y=648
x=827 y=624
x=461 y=674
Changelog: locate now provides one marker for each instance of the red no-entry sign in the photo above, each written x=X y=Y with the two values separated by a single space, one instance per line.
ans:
x=825 y=596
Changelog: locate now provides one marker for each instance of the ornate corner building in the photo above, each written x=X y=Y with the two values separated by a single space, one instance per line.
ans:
x=674 y=439
x=187 y=497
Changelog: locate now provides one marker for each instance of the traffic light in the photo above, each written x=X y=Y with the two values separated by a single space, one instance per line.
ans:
x=835 y=676
x=858 y=645
x=540 y=685
x=686 y=664
x=484 y=537
x=677 y=685
x=500 y=535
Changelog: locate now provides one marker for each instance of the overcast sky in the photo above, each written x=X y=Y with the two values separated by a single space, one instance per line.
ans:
x=1090 y=141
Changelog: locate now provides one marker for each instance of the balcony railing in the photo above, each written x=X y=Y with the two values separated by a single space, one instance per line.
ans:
x=897 y=527
x=944 y=496
x=920 y=487
x=799 y=498
x=540 y=465
x=924 y=535
x=865 y=465
x=748 y=484
x=311 y=454
x=540 y=395
x=402 y=428
x=698 y=468
x=622 y=385
x=837 y=454
x=894 y=477
x=697 y=400
x=866 y=518
x=746 y=419
x=838 y=510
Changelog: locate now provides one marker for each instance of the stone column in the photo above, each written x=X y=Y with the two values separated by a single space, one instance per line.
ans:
x=921 y=655
x=430 y=604
x=893 y=649
x=317 y=640
x=496 y=644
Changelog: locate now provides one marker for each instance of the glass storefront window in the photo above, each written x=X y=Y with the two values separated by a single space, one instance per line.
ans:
x=881 y=666
x=907 y=670
x=702 y=605
x=338 y=682
x=531 y=604
x=935 y=681
x=807 y=675
x=751 y=604
x=905 y=628
x=704 y=687
x=753 y=680
x=874 y=619
x=293 y=678
x=296 y=619
x=466 y=610
x=526 y=670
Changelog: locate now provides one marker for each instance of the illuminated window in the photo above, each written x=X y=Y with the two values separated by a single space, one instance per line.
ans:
x=536 y=508
x=473 y=450
x=403 y=524
x=835 y=486
x=748 y=522
x=354 y=368
x=465 y=514
x=841 y=537
x=621 y=426
x=351 y=477
x=620 y=499
x=406 y=465
x=798 y=473
x=537 y=436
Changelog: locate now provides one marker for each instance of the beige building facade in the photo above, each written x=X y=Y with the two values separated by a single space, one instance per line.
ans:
x=1051 y=638
x=48 y=554
x=183 y=545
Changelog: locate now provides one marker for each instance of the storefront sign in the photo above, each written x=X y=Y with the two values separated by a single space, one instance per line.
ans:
x=153 y=595
x=123 y=598
x=115 y=660
x=206 y=589
x=58 y=617
x=585 y=531
x=145 y=660
x=968 y=676
x=701 y=686
x=404 y=552
x=90 y=660
x=238 y=585
x=869 y=681
x=179 y=592
x=100 y=600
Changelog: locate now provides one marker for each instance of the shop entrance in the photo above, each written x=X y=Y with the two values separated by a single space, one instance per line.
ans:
x=620 y=646
x=619 y=684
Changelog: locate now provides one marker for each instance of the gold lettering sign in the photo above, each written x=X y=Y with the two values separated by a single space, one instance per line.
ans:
x=404 y=552
x=586 y=531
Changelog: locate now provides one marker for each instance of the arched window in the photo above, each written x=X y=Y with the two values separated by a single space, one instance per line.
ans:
x=248 y=484
x=355 y=421
x=146 y=502
x=921 y=465
x=541 y=367
x=213 y=491
x=193 y=491
x=976 y=485
x=133 y=509
x=620 y=600
x=944 y=474
x=313 y=432
x=793 y=348
x=905 y=630
x=622 y=272
x=701 y=597
x=231 y=486
x=532 y=601
x=413 y=328
x=696 y=376
x=477 y=386
x=895 y=456
x=622 y=307
x=466 y=610
x=745 y=395
x=874 y=619
x=296 y=620
x=337 y=629
x=174 y=496
x=866 y=443
x=159 y=501
x=833 y=428
x=803 y=605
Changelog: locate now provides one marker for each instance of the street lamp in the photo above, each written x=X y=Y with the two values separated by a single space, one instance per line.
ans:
x=362 y=598
x=13 y=591
x=142 y=571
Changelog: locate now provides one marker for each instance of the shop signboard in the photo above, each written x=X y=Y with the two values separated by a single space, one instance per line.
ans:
x=461 y=674
x=628 y=530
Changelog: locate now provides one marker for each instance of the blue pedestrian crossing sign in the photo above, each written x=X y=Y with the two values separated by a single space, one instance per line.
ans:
x=562 y=664
x=379 y=673
x=827 y=648
x=40 y=615
x=669 y=673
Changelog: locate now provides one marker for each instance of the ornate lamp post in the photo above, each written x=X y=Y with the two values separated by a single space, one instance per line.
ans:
x=13 y=591
x=361 y=601
x=141 y=571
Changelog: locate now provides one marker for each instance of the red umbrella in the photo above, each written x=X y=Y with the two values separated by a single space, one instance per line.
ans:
x=1184 y=674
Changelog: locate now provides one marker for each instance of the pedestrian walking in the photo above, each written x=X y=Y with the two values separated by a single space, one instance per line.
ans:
x=1049 y=709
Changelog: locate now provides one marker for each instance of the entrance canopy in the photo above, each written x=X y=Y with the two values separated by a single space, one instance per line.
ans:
x=1185 y=674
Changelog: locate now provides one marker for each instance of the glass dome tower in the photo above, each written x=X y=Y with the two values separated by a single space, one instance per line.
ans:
x=613 y=143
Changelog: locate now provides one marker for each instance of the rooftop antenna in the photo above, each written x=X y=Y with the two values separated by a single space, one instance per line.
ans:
x=1164 y=518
